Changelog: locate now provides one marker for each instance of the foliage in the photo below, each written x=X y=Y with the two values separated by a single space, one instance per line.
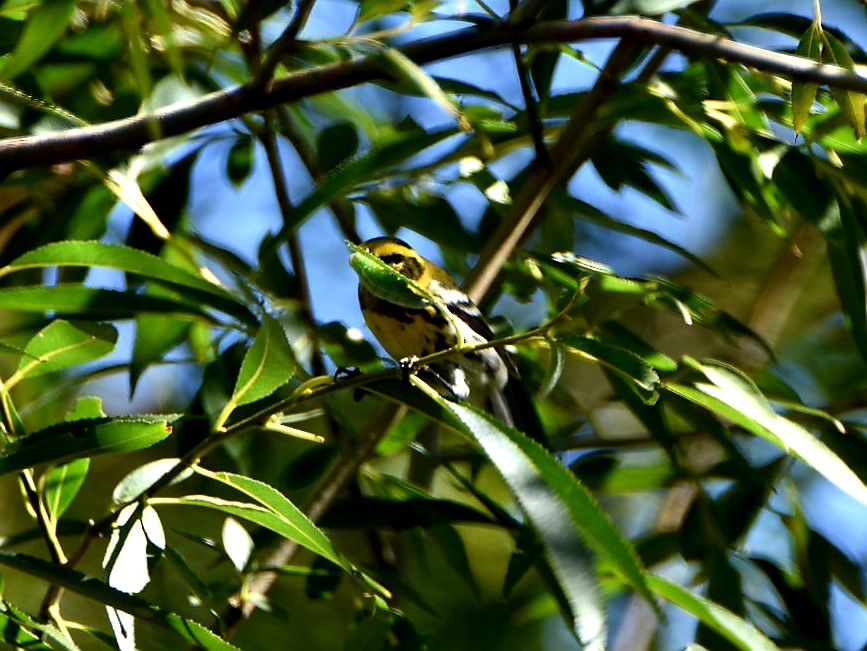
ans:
x=667 y=422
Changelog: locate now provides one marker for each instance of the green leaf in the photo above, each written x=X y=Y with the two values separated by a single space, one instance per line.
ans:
x=44 y=26
x=851 y=103
x=740 y=633
x=148 y=267
x=143 y=477
x=155 y=335
x=62 y=344
x=272 y=511
x=372 y=9
x=268 y=365
x=404 y=68
x=363 y=168
x=336 y=143
x=622 y=361
x=592 y=214
x=84 y=438
x=21 y=631
x=239 y=161
x=847 y=246
x=620 y=163
x=93 y=588
x=99 y=304
x=61 y=484
x=385 y=282
x=804 y=93
x=735 y=397
x=562 y=511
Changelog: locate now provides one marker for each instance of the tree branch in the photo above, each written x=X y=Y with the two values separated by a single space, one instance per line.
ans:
x=132 y=133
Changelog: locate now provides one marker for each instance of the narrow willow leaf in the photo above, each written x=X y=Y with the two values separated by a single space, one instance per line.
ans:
x=364 y=168
x=372 y=9
x=733 y=396
x=595 y=215
x=44 y=26
x=137 y=534
x=851 y=103
x=286 y=527
x=143 y=477
x=847 y=253
x=155 y=335
x=62 y=344
x=21 y=631
x=405 y=68
x=618 y=359
x=267 y=366
x=563 y=512
x=385 y=282
x=84 y=438
x=93 y=588
x=804 y=93
x=290 y=521
x=61 y=484
x=122 y=258
x=739 y=632
x=91 y=303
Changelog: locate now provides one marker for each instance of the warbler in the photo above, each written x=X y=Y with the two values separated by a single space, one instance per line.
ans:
x=408 y=332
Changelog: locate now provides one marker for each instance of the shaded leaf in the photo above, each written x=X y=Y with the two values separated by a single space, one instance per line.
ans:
x=239 y=161
x=44 y=26
x=93 y=588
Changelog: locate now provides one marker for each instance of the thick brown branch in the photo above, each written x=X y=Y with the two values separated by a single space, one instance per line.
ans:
x=134 y=132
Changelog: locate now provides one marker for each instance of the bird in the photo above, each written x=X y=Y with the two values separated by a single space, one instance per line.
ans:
x=414 y=328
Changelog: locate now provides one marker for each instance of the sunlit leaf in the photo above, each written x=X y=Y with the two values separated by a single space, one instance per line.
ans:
x=563 y=512
x=851 y=102
x=140 y=479
x=237 y=543
x=268 y=365
x=61 y=484
x=272 y=510
x=133 y=261
x=84 y=438
x=804 y=93
x=739 y=632
x=734 y=396
x=62 y=344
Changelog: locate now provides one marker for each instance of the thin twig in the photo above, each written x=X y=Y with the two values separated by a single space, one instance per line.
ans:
x=284 y=43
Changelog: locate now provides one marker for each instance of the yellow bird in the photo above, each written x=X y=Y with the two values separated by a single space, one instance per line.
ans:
x=407 y=332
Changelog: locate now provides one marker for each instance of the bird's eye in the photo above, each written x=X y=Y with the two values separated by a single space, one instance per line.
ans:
x=393 y=259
